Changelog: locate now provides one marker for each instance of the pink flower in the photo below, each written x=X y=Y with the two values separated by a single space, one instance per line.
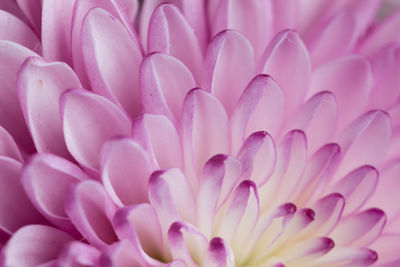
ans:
x=208 y=133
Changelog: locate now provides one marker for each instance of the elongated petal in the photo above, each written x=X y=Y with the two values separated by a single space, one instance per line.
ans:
x=204 y=131
x=17 y=31
x=219 y=254
x=164 y=82
x=159 y=136
x=260 y=108
x=231 y=55
x=338 y=76
x=386 y=247
x=90 y=210
x=357 y=257
x=170 y=33
x=15 y=208
x=309 y=248
x=125 y=171
x=41 y=82
x=105 y=46
x=33 y=11
x=8 y=147
x=286 y=15
x=46 y=179
x=99 y=118
x=286 y=56
x=258 y=157
x=12 y=7
x=78 y=254
x=130 y=8
x=34 y=245
x=12 y=56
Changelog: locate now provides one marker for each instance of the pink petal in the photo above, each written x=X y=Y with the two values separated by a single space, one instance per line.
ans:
x=33 y=245
x=15 y=208
x=260 y=108
x=312 y=247
x=164 y=82
x=220 y=175
x=130 y=8
x=286 y=56
x=78 y=254
x=357 y=187
x=205 y=131
x=258 y=157
x=359 y=229
x=241 y=217
x=17 y=31
x=170 y=33
x=231 y=55
x=219 y=254
x=144 y=235
x=387 y=248
x=100 y=119
x=8 y=147
x=372 y=128
x=286 y=15
x=160 y=138
x=320 y=167
x=12 y=7
x=126 y=183
x=317 y=118
x=46 y=179
x=81 y=8
x=337 y=76
x=41 y=82
x=12 y=56
x=105 y=46
x=193 y=11
x=180 y=243
x=252 y=18
x=33 y=11
x=56 y=30
x=90 y=210
x=354 y=257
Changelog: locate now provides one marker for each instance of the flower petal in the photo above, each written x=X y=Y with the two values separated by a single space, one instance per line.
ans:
x=205 y=131
x=260 y=108
x=219 y=254
x=90 y=210
x=33 y=11
x=164 y=82
x=105 y=46
x=125 y=169
x=8 y=147
x=15 y=208
x=99 y=118
x=286 y=56
x=46 y=179
x=386 y=247
x=33 y=245
x=78 y=254
x=286 y=15
x=159 y=136
x=231 y=55
x=337 y=76
x=170 y=33
x=354 y=257
x=41 y=82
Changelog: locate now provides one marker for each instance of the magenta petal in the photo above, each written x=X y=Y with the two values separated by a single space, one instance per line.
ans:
x=220 y=175
x=357 y=187
x=46 y=179
x=34 y=245
x=12 y=7
x=15 y=208
x=359 y=229
x=130 y=8
x=310 y=247
x=231 y=55
x=78 y=254
x=354 y=257
x=90 y=210
x=33 y=12
x=337 y=76
x=219 y=254
x=205 y=131
x=88 y=121
x=105 y=46
x=259 y=108
x=144 y=235
x=258 y=157
x=160 y=138
x=41 y=82
x=164 y=82
x=17 y=31
x=170 y=33
x=125 y=171
x=286 y=56
x=387 y=248
x=12 y=56
x=8 y=147
x=286 y=14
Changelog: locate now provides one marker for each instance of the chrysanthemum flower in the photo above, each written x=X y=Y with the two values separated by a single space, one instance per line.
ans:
x=199 y=133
